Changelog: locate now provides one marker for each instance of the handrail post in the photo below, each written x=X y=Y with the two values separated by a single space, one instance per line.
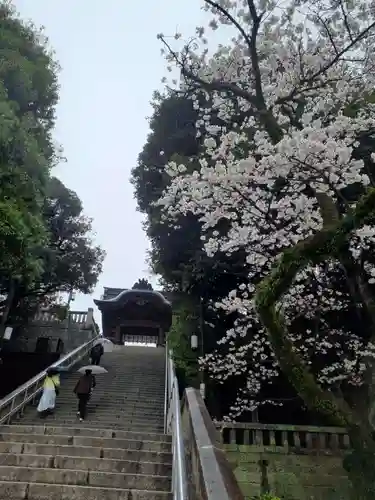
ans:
x=173 y=425
x=166 y=389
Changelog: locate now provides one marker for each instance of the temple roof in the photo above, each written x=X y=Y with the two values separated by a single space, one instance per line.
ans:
x=115 y=298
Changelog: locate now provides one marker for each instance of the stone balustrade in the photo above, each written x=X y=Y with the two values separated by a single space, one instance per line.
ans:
x=75 y=317
x=300 y=437
x=79 y=317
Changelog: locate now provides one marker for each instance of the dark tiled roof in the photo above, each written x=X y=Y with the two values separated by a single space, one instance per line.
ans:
x=111 y=293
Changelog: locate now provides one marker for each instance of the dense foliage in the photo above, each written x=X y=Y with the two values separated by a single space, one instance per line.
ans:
x=45 y=243
x=184 y=322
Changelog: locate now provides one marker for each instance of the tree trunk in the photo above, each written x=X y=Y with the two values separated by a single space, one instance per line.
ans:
x=8 y=306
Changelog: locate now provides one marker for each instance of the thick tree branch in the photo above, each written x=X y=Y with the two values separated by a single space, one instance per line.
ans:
x=254 y=55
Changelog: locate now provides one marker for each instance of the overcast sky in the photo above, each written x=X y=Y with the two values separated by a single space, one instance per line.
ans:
x=111 y=64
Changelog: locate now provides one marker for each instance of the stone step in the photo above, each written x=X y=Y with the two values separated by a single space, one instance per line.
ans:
x=159 y=412
x=131 y=374
x=99 y=416
x=129 y=377
x=40 y=491
x=85 y=478
x=109 y=424
x=107 y=409
x=125 y=362
x=97 y=402
x=140 y=405
x=106 y=406
x=97 y=442
x=103 y=409
x=121 y=392
x=109 y=387
x=86 y=463
x=104 y=420
x=84 y=431
x=129 y=364
x=118 y=397
x=135 y=455
x=117 y=367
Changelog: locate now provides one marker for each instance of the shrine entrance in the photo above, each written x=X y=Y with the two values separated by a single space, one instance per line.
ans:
x=140 y=340
x=137 y=317
x=130 y=335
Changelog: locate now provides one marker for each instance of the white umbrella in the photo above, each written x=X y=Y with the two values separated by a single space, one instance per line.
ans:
x=96 y=370
x=106 y=343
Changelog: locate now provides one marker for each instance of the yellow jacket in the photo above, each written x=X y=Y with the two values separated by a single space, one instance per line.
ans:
x=51 y=382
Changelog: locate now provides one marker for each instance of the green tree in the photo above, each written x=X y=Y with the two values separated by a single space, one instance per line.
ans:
x=46 y=243
x=28 y=95
x=71 y=262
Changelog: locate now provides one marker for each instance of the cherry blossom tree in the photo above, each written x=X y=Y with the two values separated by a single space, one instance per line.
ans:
x=284 y=107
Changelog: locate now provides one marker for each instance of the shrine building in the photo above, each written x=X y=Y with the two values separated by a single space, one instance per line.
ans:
x=134 y=315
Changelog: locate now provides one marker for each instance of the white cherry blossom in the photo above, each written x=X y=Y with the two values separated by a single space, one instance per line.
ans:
x=273 y=109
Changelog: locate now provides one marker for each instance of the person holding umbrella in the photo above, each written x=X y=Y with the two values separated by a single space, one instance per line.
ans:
x=84 y=387
x=51 y=388
x=96 y=353
x=83 y=390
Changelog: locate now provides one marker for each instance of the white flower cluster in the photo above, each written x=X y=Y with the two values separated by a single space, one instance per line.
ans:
x=274 y=114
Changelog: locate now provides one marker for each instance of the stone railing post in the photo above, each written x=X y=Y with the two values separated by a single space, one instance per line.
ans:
x=210 y=475
x=89 y=318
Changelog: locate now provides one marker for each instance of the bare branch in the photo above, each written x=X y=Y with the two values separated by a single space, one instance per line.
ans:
x=235 y=23
x=346 y=22
x=355 y=40
x=329 y=34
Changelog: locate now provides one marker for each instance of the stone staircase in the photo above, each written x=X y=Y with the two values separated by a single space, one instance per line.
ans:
x=118 y=453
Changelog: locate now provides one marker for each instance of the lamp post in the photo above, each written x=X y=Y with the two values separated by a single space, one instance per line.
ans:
x=202 y=386
x=70 y=299
x=194 y=344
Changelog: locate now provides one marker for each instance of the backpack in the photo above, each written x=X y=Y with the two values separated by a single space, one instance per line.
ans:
x=97 y=350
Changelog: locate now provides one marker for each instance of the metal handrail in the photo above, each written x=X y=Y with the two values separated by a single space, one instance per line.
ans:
x=173 y=426
x=15 y=402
